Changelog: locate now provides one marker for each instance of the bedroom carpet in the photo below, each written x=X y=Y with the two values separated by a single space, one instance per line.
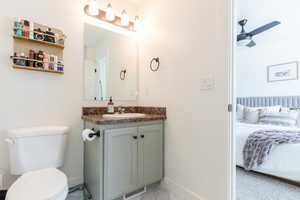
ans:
x=252 y=186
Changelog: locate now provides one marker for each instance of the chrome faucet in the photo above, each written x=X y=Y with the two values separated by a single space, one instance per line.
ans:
x=120 y=109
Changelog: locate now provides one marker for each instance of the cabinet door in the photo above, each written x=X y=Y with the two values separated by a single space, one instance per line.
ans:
x=150 y=154
x=120 y=162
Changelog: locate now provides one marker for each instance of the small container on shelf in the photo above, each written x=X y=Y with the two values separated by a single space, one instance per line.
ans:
x=22 y=60
x=46 y=61
x=31 y=29
x=18 y=29
x=48 y=37
x=26 y=29
x=38 y=34
x=32 y=56
x=60 y=66
x=40 y=57
x=52 y=60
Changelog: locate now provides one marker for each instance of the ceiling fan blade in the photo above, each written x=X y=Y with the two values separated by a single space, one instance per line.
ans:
x=264 y=28
x=251 y=44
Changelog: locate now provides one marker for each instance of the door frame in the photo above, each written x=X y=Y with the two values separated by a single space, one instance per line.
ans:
x=231 y=63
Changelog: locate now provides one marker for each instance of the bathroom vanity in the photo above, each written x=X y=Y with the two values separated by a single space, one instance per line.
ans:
x=128 y=155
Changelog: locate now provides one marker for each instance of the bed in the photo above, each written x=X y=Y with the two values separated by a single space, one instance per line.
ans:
x=284 y=161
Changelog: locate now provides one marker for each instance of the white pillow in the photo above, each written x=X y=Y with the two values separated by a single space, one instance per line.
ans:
x=240 y=112
x=285 y=109
x=271 y=108
x=279 y=118
x=251 y=115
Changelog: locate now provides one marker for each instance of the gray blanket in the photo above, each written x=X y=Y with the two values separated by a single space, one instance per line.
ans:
x=260 y=144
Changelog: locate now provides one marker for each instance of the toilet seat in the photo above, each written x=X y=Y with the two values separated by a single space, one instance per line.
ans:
x=45 y=184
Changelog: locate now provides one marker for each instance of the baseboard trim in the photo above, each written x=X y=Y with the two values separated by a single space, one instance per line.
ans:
x=3 y=194
x=179 y=192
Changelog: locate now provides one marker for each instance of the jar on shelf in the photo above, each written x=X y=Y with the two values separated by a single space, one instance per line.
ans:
x=52 y=60
x=46 y=61
x=18 y=28
x=20 y=62
x=40 y=57
x=32 y=56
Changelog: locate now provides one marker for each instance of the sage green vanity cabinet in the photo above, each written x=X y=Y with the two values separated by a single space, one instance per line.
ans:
x=129 y=156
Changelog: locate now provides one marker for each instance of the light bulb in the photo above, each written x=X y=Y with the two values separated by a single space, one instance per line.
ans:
x=110 y=15
x=124 y=18
x=93 y=8
x=137 y=23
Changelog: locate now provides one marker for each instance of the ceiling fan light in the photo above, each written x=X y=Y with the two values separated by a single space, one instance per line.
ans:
x=110 y=15
x=244 y=42
x=124 y=18
x=93 y=8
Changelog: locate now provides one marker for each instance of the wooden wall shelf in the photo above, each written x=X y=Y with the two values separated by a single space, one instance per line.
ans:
x=37 y=69
x=19 y=58
x=24 y=44
x=39 y=41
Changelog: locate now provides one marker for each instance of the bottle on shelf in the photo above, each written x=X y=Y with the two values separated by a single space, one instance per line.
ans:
x=18 y=27
x=26 y=28
x=31 y=28
x=46 y=61
x=32 y=56
x=51 y=64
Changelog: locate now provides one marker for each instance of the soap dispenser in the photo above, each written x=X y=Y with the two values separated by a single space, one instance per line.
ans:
x=110 y=106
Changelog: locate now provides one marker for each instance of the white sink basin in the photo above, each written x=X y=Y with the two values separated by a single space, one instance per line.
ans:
x=124 y=115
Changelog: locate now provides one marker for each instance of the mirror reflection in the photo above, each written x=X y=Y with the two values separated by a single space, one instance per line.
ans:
x=110 y=65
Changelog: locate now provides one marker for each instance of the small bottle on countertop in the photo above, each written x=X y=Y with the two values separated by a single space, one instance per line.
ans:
x=110 y=106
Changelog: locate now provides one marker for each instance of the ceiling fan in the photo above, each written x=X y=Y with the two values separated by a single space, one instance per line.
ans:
x=246 y=38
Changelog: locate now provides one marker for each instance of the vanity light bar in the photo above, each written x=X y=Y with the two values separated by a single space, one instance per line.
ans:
x=117 y=21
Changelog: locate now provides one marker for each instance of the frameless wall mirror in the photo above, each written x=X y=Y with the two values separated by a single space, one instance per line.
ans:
x=110 y=65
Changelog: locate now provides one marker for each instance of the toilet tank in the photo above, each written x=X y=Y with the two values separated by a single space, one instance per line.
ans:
x=36 y=148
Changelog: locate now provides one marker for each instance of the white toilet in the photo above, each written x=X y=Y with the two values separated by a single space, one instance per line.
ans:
x=35 y=153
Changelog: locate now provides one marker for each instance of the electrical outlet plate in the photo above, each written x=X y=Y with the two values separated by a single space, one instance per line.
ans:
x=207 y=83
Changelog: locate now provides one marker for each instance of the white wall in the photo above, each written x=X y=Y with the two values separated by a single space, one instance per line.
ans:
x=190 y=37
x=33 y=99
x=279 y=45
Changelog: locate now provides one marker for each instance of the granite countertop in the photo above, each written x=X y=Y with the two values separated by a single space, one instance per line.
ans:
x=95 y=115
x=99 y=119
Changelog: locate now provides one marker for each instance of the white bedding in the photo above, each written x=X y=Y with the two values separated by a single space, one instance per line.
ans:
x=283 y=162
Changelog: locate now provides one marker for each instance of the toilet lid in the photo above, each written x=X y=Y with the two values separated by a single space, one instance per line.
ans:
x=38 y=185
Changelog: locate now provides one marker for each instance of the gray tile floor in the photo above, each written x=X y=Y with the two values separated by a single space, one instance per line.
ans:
x=76 y=196
x=153 y=194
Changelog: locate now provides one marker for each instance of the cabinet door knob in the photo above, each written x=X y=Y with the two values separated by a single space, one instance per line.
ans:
x=142 y=136
x=135 y=137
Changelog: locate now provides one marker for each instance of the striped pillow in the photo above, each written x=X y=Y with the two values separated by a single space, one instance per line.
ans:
x=279 y=118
